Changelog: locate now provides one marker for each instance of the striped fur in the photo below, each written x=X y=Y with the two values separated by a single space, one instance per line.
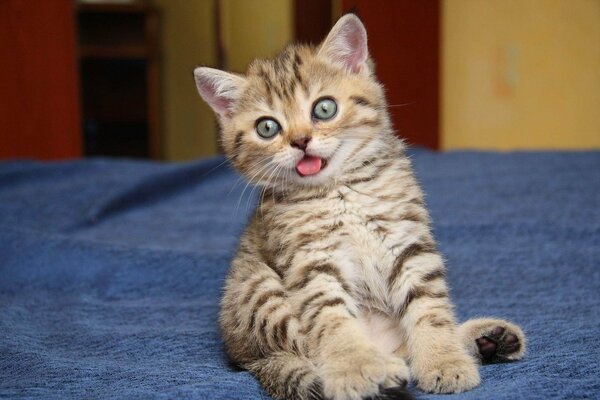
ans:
x=337 y=285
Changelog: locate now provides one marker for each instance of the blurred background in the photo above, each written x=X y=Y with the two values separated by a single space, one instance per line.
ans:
x=114 y=78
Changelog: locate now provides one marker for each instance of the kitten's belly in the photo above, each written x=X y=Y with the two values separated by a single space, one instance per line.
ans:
x=383 y=331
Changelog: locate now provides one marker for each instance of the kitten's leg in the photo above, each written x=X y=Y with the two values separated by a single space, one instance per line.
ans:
x=260 y=330
x=308 y=326
x=437 y=358
x=349 y=364
x=492 y=340
x=287 y=375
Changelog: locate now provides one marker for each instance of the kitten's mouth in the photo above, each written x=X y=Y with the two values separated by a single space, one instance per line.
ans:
x=310 y=165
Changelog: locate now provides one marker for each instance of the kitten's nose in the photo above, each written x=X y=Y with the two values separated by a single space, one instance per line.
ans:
x=301 y=143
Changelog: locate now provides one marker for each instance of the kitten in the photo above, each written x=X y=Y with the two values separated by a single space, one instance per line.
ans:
x=337 y=290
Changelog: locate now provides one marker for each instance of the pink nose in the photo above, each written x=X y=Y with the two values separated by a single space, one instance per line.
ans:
x=301 y=143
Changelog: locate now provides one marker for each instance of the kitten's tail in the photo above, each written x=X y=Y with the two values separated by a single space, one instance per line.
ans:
x=289 y=376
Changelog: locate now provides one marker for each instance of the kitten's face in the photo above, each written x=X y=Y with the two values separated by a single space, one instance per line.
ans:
x=306 y=117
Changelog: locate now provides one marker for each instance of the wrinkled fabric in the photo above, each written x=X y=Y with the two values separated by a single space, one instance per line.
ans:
x=111 y=272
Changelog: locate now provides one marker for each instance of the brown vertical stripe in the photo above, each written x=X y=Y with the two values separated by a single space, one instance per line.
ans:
x=410 y=251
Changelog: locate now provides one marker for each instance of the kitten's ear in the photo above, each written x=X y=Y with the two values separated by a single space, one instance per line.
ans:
x=221 y=90
x=347 y=43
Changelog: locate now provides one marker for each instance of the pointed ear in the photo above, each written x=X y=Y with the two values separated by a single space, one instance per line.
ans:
x=221 y=90
x=346 y=44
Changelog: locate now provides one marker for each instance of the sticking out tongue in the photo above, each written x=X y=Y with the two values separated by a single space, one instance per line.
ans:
x=309 y=165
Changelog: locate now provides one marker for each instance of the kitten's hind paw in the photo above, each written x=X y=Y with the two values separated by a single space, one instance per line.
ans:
x=498 y=345
x=493 y=340
x=394 y=393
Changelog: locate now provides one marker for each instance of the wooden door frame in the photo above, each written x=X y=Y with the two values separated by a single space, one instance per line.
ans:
x=39 y=86
x=409 y=64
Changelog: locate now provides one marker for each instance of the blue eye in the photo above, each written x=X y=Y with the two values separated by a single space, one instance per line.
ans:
x=324 y=109
x=267 y=128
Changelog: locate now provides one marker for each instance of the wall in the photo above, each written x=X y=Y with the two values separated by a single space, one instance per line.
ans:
x=521 y=74
x=250 y=29
x=39 y=99
x=188 y=40
x=254 y=28
x=517 y=74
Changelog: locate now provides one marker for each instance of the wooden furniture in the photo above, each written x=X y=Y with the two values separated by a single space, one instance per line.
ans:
x=404 y=41
x=118 y=53
x=39 y=105
x=312 y=20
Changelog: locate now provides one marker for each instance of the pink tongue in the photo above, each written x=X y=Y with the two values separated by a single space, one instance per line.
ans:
x=309 y=165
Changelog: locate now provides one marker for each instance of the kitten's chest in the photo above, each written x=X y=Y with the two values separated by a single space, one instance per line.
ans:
x=360 y=234
x=368 y=229
x=373 y=236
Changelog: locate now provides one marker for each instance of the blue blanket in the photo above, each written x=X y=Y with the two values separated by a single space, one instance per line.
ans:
x=111 y=271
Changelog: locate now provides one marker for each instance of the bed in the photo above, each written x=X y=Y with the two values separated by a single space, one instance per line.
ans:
x=111 y=272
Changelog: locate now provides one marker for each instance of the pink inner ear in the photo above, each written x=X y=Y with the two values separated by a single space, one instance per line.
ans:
x=347 y=43
x=208 y=90
x=221 y=105
x=357 y=55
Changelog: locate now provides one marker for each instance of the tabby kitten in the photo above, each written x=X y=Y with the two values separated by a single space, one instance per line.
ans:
x=337 y=290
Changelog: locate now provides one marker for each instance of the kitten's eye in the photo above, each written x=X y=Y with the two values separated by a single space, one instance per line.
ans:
x=267 y=128
x=324 y=109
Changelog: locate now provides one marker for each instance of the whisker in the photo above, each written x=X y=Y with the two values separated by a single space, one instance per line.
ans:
x=261 y=169
x=266 y=186
x=214 y=168
x=402 y=105
x=242 y=176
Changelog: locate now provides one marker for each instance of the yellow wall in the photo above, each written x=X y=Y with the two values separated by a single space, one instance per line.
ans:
x=254 y=28
x=521 y=74
x=188 y=125
x=250 y=29
x=516 y=73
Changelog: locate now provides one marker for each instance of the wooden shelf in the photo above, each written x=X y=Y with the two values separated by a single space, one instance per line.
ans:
x=131 y=8
x=119 y=56
x=114 y=52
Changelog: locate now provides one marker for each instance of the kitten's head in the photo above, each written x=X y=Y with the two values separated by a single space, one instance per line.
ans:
x=306 y=117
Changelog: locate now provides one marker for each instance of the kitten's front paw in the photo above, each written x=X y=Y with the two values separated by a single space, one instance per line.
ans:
x=453 y=374
x=397 y=373
x=354 y=376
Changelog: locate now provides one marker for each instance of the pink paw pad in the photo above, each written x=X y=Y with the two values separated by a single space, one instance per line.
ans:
x=497 y=345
